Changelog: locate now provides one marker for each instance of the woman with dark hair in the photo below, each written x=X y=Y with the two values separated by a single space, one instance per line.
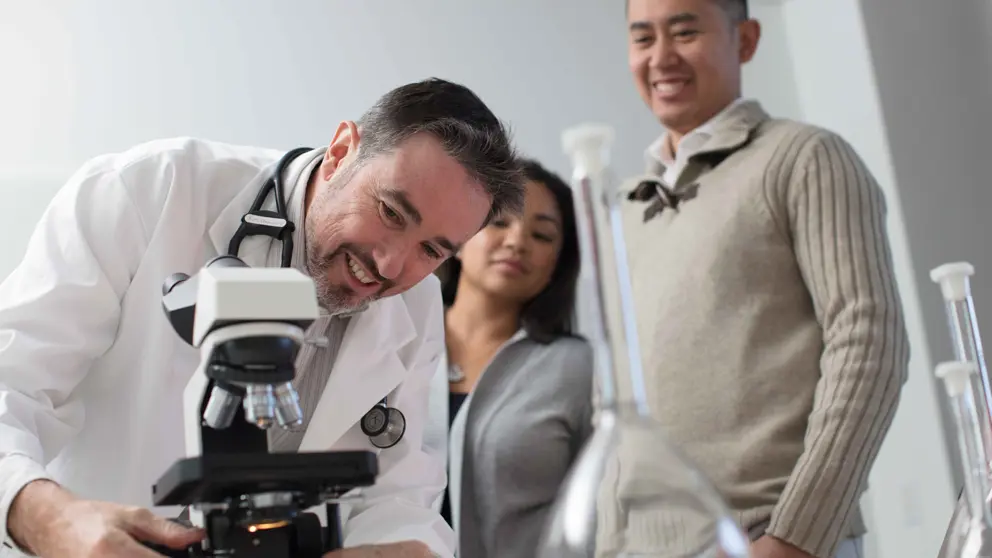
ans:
x=519 y=382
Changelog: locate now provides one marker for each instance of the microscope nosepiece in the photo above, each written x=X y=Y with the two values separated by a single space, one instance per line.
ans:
x=260 y=405
x=221 y=407
x=288 y=410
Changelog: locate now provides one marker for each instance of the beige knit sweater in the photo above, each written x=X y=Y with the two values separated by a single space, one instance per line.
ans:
x=772 y=334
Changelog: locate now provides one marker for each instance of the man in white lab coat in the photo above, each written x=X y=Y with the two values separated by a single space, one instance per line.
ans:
x=92 y=373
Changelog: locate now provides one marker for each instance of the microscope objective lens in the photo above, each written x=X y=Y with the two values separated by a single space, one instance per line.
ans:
x=260 y=405
x=221 y=408
x=288 y=410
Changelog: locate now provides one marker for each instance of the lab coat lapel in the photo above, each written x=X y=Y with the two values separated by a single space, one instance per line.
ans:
x=367 y=368
x=254 y=249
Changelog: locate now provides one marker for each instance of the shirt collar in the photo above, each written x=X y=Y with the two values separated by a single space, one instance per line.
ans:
x=658 y=151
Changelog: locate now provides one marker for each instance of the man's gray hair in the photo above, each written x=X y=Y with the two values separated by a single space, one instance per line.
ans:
x=466 y=128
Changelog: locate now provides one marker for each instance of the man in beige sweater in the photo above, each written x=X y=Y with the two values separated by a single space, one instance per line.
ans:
x=772 y=332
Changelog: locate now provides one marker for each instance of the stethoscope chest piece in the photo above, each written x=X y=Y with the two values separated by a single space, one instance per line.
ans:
x=384 y=425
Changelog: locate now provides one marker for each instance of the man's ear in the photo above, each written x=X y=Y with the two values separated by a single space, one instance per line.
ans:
x=750 y=35
x=344 y=144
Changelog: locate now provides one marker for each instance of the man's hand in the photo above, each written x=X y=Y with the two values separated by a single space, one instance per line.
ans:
x=405 y=549
x=768 y=546
x=52 y=523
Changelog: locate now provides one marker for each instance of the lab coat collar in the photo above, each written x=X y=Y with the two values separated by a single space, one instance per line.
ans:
x=254 y=249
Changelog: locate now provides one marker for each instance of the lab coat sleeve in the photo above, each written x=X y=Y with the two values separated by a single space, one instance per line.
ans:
x=59 y=310
x=400 y=505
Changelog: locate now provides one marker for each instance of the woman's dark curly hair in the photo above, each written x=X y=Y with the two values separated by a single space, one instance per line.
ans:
x=550 y=314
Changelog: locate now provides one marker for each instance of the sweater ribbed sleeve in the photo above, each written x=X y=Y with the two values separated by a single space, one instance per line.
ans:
x=834 y=212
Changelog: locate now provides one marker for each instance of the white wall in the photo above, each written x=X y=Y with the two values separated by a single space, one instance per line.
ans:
x=101 y=75
x=934 y=73
x=98 y=79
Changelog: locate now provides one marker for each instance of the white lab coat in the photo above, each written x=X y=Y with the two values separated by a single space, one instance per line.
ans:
x=92 y=373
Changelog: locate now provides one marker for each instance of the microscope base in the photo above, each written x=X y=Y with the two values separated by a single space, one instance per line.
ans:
x=301 y=538
x=253 y=504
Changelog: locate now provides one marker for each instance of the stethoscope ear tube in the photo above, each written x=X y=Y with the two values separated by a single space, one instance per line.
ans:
x=274 y=224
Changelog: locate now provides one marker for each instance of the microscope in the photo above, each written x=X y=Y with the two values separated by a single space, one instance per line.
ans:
x=248 y=324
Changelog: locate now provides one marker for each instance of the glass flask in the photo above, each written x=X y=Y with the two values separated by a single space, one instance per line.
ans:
x=630 y=493
x=968 y=533
x=966 y=379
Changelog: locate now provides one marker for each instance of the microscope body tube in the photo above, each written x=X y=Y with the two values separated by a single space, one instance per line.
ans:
x=966 y=339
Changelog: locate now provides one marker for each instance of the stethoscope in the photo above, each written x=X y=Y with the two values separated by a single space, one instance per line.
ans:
x=384 y=425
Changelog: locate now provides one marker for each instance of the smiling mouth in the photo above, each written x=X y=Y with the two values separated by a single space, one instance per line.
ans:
x=669 y=88
x=510 y=264
x=358 y=272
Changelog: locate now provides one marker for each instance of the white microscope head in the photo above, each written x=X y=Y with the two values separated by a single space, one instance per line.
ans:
x=249 y=323
x=236 y=295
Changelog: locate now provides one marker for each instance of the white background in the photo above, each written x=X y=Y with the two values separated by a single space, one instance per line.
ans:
x=908 y=82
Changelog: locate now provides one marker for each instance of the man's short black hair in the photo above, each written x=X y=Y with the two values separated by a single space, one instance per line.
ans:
x=466 y=128
x=736 y=9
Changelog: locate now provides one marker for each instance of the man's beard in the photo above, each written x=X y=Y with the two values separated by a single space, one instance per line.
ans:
x=334 y=300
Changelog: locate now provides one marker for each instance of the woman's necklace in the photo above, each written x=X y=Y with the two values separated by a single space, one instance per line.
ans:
x=455 y=373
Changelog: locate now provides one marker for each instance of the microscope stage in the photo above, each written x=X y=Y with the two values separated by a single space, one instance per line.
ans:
x=225 y=478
